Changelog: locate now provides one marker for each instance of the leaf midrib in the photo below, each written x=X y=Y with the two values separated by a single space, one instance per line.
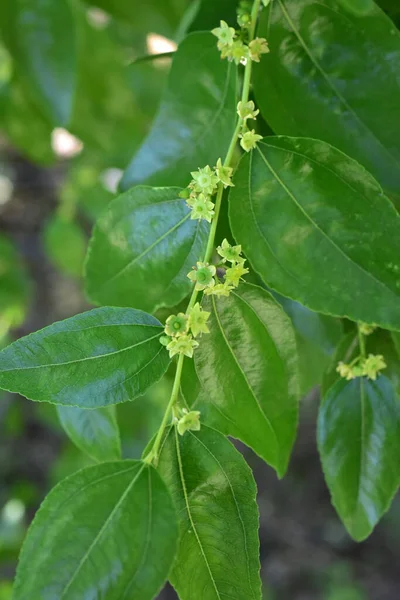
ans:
x=268 y=422
x=189 y=512
x=102 y=529
x=317 y=227
x=71 y=362
x=237 y=508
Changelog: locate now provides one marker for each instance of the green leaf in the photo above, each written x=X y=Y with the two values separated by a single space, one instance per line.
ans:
x=108 y=531
x=215 y=495
x=309 y=219
x=247 y=367
x=359 y=444
x=326 y=74
x=211 y=12
x=45 y=53
x=142 y=249
x=92 y=431
x=65 y=244
x=194 y=125
x=101 y=357
x=14 y=287
x=358 y=7
x=317 y=337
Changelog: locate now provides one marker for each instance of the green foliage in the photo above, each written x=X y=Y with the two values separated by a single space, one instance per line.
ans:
x=157 y=245
x=306 y=89
x=319 y=235
x=125 y=517
x=257 y=403
x=101 y=357
x=93 y=431
x=194 y=124
x=358 y=436
x=214 y=491
x=293 y=195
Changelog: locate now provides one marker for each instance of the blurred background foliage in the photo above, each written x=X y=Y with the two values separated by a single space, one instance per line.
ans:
x=54 y=182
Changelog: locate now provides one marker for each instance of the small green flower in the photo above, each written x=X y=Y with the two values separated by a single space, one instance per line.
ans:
x=204 y=181
x=234 y=274
x=176 y=324
x=249 y=140
x=230 y=253
x=247 y=110
x=366 y=329
x=183 y=344
x=189 y=421
x=202 y=208
x=203 y=275
x=198 y=320
x=221 y=289
x=237 y=52
x=257 y=47
x=373 y=365
x=225 y=35
x=345 y=371
x=224 y=174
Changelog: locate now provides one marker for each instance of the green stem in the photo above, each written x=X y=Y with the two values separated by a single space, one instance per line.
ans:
x=153 y=454
x=361 y=343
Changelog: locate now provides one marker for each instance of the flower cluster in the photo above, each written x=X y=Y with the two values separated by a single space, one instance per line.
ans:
x=368 y=367
x=203 y=186
x=233 y=46
x=204 y=275
x=181 y=329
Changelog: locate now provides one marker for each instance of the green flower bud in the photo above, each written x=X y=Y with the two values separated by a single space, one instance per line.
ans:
x=165 y=340
x=176 y=325
x=366 y=329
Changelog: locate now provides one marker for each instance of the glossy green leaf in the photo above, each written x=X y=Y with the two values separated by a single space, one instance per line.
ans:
x=247 y=367
x=317 y=228
x=65 y=244
x=142 y=249
x=108 y=531
x=326 y=74
x=194 y=125
x=45 y=52
x=359 y=444
x=92 y=431
x=358 y=7
x=215 y=495
x=210 y=12
x=101 y=357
